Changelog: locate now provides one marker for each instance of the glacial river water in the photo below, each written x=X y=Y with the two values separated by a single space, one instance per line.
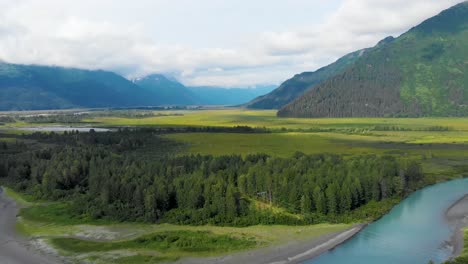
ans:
x=414 y=232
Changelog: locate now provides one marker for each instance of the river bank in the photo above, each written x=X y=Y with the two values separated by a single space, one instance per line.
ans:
x=457 y=217
x=15 y=249
x=291 y=252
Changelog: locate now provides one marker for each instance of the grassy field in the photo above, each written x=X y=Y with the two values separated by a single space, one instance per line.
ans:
x=278 y=144
x=257 y=118
x=268 y=119
x=441 y=137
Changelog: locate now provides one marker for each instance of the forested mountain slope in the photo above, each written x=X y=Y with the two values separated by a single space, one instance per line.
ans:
x=297 y=85
x=421 y=73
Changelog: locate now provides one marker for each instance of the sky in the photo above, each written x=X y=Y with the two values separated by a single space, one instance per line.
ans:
x=229 y=43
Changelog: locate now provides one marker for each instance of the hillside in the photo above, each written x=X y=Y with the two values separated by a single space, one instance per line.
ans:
x=297 y=85
x=421 y=73
x=30 y=87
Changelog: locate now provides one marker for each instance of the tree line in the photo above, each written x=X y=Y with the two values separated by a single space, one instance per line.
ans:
x=100 y=176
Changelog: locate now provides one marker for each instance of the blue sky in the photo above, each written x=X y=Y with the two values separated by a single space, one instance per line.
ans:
x=202 y=42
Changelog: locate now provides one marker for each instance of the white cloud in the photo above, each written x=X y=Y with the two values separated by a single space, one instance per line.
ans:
x=204 y=42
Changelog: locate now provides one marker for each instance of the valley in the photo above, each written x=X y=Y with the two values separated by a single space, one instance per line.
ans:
x=162 y=132
x=438 y=145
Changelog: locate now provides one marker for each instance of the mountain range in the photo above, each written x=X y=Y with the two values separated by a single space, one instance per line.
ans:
x=424 y=72
x=34 y=87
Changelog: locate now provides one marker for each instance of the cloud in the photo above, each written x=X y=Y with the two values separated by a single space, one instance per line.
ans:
x=355 y=25
x=204 y=42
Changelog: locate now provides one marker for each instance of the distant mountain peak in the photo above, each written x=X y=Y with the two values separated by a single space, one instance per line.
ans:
x=167 y=90
x=153 y=77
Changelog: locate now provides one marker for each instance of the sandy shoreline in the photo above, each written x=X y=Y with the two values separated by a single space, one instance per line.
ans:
x=457 y=217
x=292 y=252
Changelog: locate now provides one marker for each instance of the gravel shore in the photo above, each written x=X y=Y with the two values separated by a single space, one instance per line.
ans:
x=457 y=216
x=13 y=248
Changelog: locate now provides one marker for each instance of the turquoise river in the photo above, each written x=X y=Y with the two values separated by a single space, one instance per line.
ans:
x=414 y=232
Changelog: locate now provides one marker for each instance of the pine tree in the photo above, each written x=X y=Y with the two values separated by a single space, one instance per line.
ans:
x=331 y=197
x=346 y=199
x=306 y=204
x=320 y=202
x=231 y=203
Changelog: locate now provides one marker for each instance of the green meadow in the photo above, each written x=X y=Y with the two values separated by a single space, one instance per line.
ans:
x=268 y=119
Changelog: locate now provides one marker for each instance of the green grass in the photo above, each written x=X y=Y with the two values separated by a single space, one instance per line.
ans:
x=285 y=144
x=144 y=259
x=278 y=144
x=58 y=213
x=268 y=119
x=186 y=241
x=22 y=200
x=52 y=219
x=171 y=242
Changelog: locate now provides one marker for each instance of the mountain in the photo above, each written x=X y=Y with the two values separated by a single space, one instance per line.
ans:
x=228 y=96
x=31 y=87
x=297 y=85
x=424 y=72
x=171 y=92
x=166 y=91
